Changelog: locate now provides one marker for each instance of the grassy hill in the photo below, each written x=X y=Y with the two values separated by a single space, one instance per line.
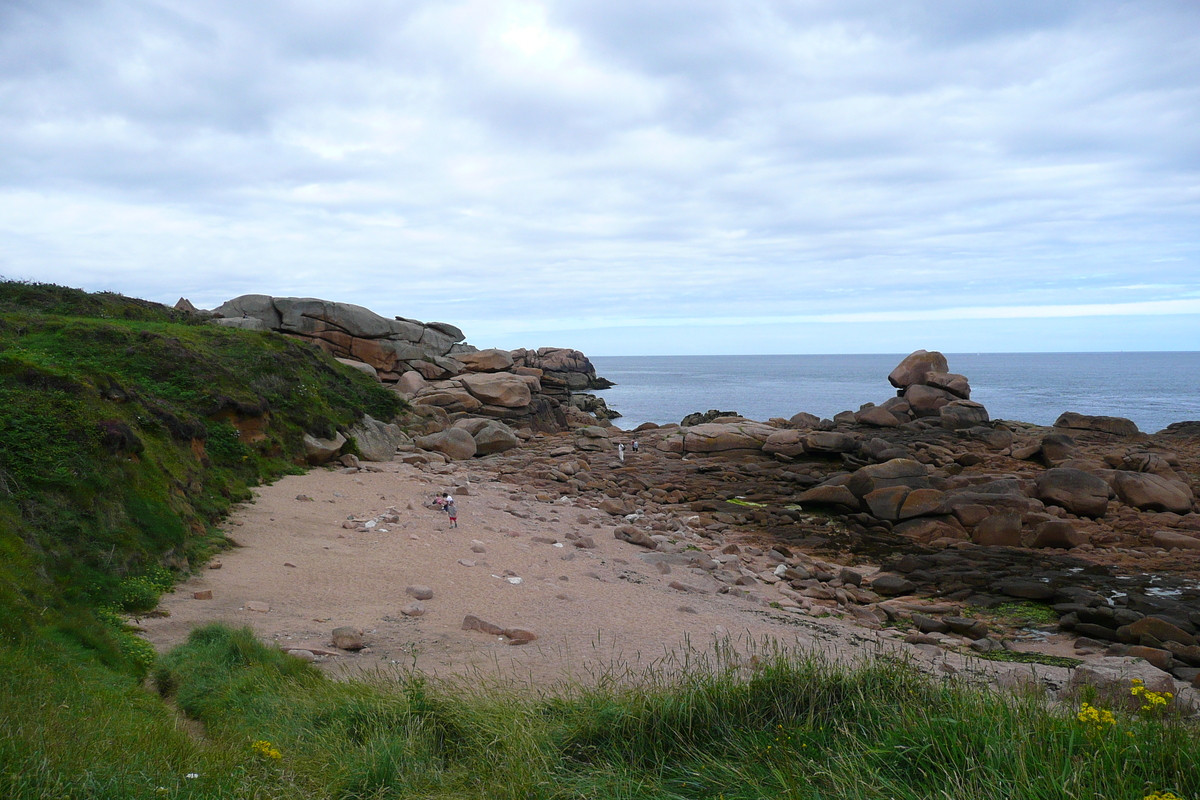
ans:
x=128 y=429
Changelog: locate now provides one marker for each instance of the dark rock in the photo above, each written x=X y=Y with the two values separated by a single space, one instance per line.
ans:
x=1025 y=588
x=965 y=626
x=1096 y=632
x=960 y=414
x=1057 y=533
x=1160 y=629
x=929 y=624
x=892 y=585
x=1002 y=529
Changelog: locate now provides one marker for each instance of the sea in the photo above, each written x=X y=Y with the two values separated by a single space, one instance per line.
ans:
x=1152 y=389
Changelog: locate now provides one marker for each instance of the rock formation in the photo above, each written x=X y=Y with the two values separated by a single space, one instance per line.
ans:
x=447 y=380
x=390 y=346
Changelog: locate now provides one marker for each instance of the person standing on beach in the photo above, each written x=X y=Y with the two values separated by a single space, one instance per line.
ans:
x=621 y=451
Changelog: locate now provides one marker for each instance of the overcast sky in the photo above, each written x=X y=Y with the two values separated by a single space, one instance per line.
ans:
x=623 y=177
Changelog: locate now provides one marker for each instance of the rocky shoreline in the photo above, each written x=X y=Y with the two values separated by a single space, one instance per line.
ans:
x=911 y=515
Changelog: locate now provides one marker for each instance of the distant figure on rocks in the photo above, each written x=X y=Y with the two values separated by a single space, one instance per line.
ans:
x=634 y=446
x=621 y=451
x=452 y=512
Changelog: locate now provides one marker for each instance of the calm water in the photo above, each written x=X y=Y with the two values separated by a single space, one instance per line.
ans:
x=1152 y=389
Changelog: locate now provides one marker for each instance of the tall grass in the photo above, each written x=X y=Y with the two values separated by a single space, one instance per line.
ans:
x=784 y=726
x=774 y=726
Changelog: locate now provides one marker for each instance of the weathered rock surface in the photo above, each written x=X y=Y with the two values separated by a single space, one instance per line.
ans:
x=1077 y=491
x=916 y=366
x=1152 y=493
x=498 y=389
x=454 y=443
x=321 y=450
x=486 y=360
x=1118 y=426
x=377 y=441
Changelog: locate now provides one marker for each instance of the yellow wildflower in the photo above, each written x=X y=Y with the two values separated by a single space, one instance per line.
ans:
x=266 y=750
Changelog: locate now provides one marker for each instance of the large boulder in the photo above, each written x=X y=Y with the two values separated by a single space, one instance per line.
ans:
x=896 y=472
x=1118 y=426
x=593 y=438
x=411 y=382
x=377 y=441
x=251 y=306
x=1148 y=492
x=498 y=389
x=927 y=401
x=1057 y=533
x=452 y=399
x=318 y=450
x=486 y=360
x=1057 y=448
x=1077 y=491
x=712 y=437
x=828 y=495
x=1169 y=540
x=455 y=443
x=785 y=442
x=494 y=437
x=829 y=443
x=878 y=417
x=916 y=366
x=308 y=315
x=953 y=383
x=960 y=414
x=1000 y=529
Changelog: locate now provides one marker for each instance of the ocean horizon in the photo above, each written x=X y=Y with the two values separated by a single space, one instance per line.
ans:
x=1154 y=389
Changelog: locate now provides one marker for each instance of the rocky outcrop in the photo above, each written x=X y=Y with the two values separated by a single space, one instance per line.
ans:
x=390 y=346
x=562 y=371
x=430 y=364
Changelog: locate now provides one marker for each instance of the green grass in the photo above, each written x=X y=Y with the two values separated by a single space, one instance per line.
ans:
x=789 y=727
x=1015 y=615
x=1029 y=658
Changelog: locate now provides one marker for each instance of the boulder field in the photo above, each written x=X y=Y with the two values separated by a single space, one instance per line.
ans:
x=938 y=505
